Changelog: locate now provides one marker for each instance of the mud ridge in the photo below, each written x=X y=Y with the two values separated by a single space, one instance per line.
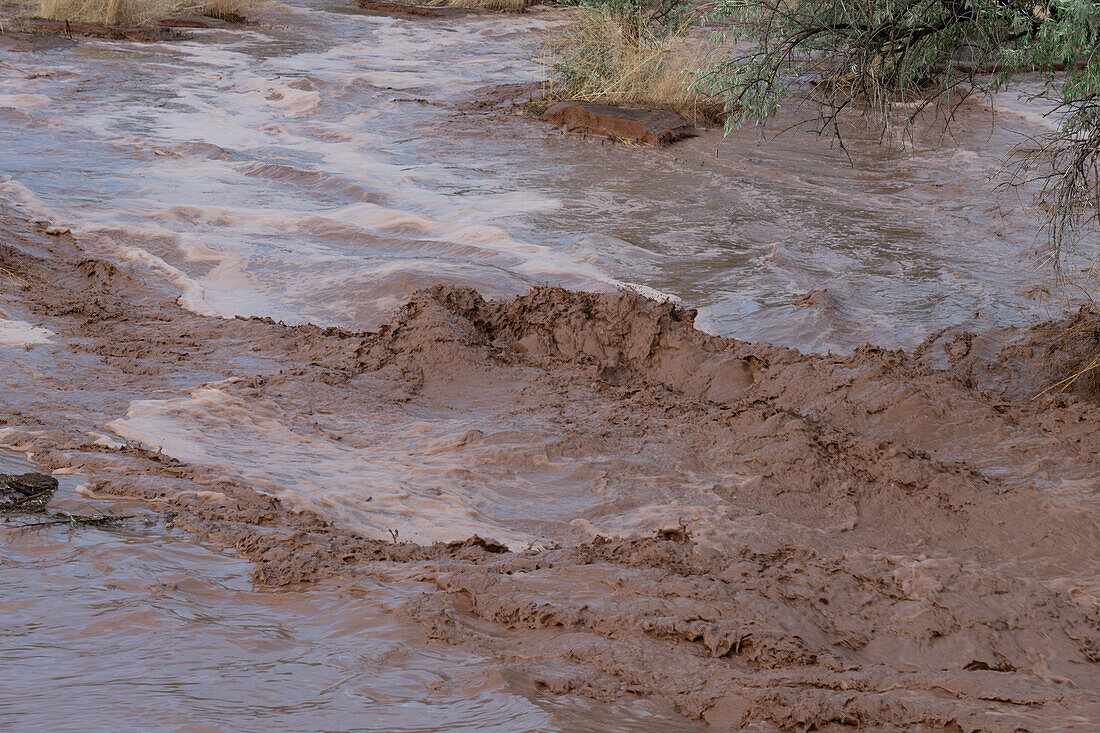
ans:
x=762 y=538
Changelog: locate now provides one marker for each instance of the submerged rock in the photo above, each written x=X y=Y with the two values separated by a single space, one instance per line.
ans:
x=28 y=492
x=654 y=127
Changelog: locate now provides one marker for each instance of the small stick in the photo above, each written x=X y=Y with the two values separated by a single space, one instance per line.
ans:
x=74 y=519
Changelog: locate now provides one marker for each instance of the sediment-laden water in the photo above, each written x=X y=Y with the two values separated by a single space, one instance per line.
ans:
x=699 y=527
x=317 y=170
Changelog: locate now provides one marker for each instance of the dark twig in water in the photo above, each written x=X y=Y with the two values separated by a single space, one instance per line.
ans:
x=73 y=520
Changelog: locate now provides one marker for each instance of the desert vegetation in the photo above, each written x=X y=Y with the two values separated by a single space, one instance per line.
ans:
x=868 y=56
x=636 y=54
x=126 y=13
x=644 y=59
x=231 y=11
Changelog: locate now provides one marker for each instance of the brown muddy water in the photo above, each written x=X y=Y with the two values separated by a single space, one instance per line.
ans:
x=270 y=290
x=139 y=627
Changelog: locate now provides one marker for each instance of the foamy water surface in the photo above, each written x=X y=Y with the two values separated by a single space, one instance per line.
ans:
x=316 y=169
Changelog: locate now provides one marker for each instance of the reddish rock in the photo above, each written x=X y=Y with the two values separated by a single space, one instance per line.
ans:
x=654 y=127
x=390 y=8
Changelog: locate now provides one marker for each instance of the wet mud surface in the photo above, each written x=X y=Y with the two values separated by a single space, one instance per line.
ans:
x=748 y=535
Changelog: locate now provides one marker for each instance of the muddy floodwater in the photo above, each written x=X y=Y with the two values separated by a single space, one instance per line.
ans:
x=322 y=168
x=145 y=629
x=429 y=417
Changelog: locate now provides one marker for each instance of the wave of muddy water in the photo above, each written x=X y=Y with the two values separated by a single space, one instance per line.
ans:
x=699 y=526
x=145 y=629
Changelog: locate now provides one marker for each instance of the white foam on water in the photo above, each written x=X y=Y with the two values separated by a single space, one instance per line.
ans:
x=24 y=198
x=368 y=487
x=22 y=334
x=23 y=101
x=214 y=214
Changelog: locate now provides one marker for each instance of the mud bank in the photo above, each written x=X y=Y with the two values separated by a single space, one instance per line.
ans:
x=42 y=27
x=33 y=33
x=756 y=536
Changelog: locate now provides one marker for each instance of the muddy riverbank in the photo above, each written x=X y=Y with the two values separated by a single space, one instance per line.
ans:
x=194 y=606
x=746 y=533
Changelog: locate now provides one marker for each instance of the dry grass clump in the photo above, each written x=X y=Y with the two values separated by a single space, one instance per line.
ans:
x=231 y=11
x=597 y=59
x=141 y=13
x=118 y=13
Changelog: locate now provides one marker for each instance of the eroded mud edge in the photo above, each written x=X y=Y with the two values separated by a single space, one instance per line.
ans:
x=911 y=544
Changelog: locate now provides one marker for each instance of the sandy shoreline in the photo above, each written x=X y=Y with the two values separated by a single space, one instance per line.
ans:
x=884 y=539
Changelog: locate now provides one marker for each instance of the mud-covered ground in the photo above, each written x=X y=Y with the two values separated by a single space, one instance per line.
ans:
x=888 y=539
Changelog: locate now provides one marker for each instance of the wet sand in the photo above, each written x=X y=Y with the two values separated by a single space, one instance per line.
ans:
x=746 y=534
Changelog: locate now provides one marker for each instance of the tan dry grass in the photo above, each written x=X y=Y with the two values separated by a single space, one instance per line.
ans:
x=594 y=59
x=231 y=11
x=19 y=278
x=142 y=13
x=117 y=13
x=1073 y=354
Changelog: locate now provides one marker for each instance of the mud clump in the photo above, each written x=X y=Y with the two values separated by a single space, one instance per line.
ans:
x=761 y=538
x=1048 y=361
x=626 y=337
x=652 y=127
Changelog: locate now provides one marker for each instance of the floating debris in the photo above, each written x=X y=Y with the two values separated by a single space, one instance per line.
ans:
x=74 y=520
x=27 y=492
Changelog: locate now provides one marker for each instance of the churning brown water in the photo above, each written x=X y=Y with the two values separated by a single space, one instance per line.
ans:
x=687 y=528
x=142 y=628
